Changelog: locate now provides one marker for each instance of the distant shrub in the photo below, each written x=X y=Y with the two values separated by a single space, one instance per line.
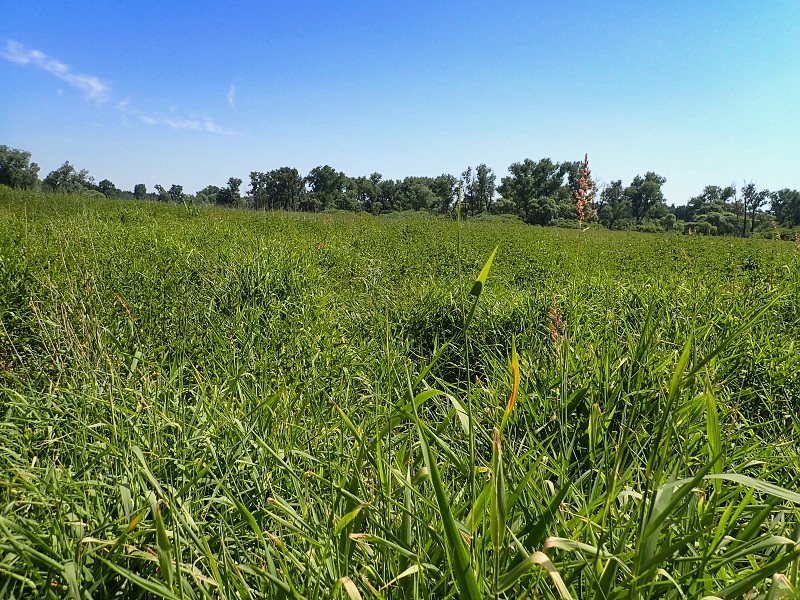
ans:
x=565 y=223
x=407 y=214
x=668 y=222
x=485 y=217
x=699 y=227
x=625 y=225
x=650 y=228
x=503 y=206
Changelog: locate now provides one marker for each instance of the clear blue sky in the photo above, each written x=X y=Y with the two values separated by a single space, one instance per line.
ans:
x=701 y=92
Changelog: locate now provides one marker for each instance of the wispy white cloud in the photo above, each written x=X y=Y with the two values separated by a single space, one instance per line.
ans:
x=98 y=90
x=94 y=87
x=200 y=123
x=204 y=124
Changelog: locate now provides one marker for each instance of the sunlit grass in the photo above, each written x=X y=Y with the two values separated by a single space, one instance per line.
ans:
x=220 y=404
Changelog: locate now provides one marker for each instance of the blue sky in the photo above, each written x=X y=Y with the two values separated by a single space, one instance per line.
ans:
x=702 y=93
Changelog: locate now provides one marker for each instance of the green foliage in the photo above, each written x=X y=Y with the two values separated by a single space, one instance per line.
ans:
x=752 y=200
x=228 y=404
x=413 y=193
x=534 y=186
x=478 y=190
x=281 y=189
x=67 y=179
x=786 y=207
x=108 y=189
x=16 y=169
x=712 y=199
x=644 y=194
x=176 y=194
x=208 y=195
x=614 y=205
x=326 y=189
x=538 y=192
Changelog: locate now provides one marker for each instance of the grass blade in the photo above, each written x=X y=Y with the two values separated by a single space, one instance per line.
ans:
x=758 y=484
x=537 y=559
x=477 y=287
x=498 y=512
x=460 y=561
x=744 y=585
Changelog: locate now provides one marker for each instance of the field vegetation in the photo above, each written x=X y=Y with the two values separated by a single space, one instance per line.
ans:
x=536 y=192
x=206 y=403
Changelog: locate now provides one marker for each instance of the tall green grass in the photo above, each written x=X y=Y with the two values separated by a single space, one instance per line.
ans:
x=218 y=404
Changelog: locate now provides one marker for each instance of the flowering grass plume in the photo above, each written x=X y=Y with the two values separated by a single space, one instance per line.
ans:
x=557 y=326
x=584 y=195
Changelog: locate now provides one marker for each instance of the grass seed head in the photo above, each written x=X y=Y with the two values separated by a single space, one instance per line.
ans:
x=584 y=195
x=557 y=326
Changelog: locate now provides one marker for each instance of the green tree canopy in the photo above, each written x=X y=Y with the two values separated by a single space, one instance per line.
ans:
x=537 y=188
x=786 y=207
x=644 y=194
x=108 y=189
x=17 y=170
x=752 y=200
x=614 y=205
x=176 y=194
x=208 y=195
x=712 y=199
x=327 y=186
x=67 y=179
x=445 y=190
x=230 y=195
x=484 y=188
x=414 y=193
x=360 y=191
x=279 y=189
x=163 y=195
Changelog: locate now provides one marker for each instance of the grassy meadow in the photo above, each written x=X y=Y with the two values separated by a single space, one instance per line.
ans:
x=204 y=403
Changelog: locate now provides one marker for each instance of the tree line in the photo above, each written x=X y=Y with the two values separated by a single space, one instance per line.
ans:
x=539 y=192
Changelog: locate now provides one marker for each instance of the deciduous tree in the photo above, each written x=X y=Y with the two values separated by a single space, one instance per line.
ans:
x=230 y=195
x=163 y=195
x=786 y=207
x=467 y=186
x=534 y=187
x=614 y=204
x=279 y=189
x=176 y=194
x=108 y=189
x=483 y=188
x=713 y=198
x=414 y=193
x=17 y=170
x=752 y=200
x=208 y=195
x=327 y=186
x=445 y=190
x=644 y=193
x=67 y=179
